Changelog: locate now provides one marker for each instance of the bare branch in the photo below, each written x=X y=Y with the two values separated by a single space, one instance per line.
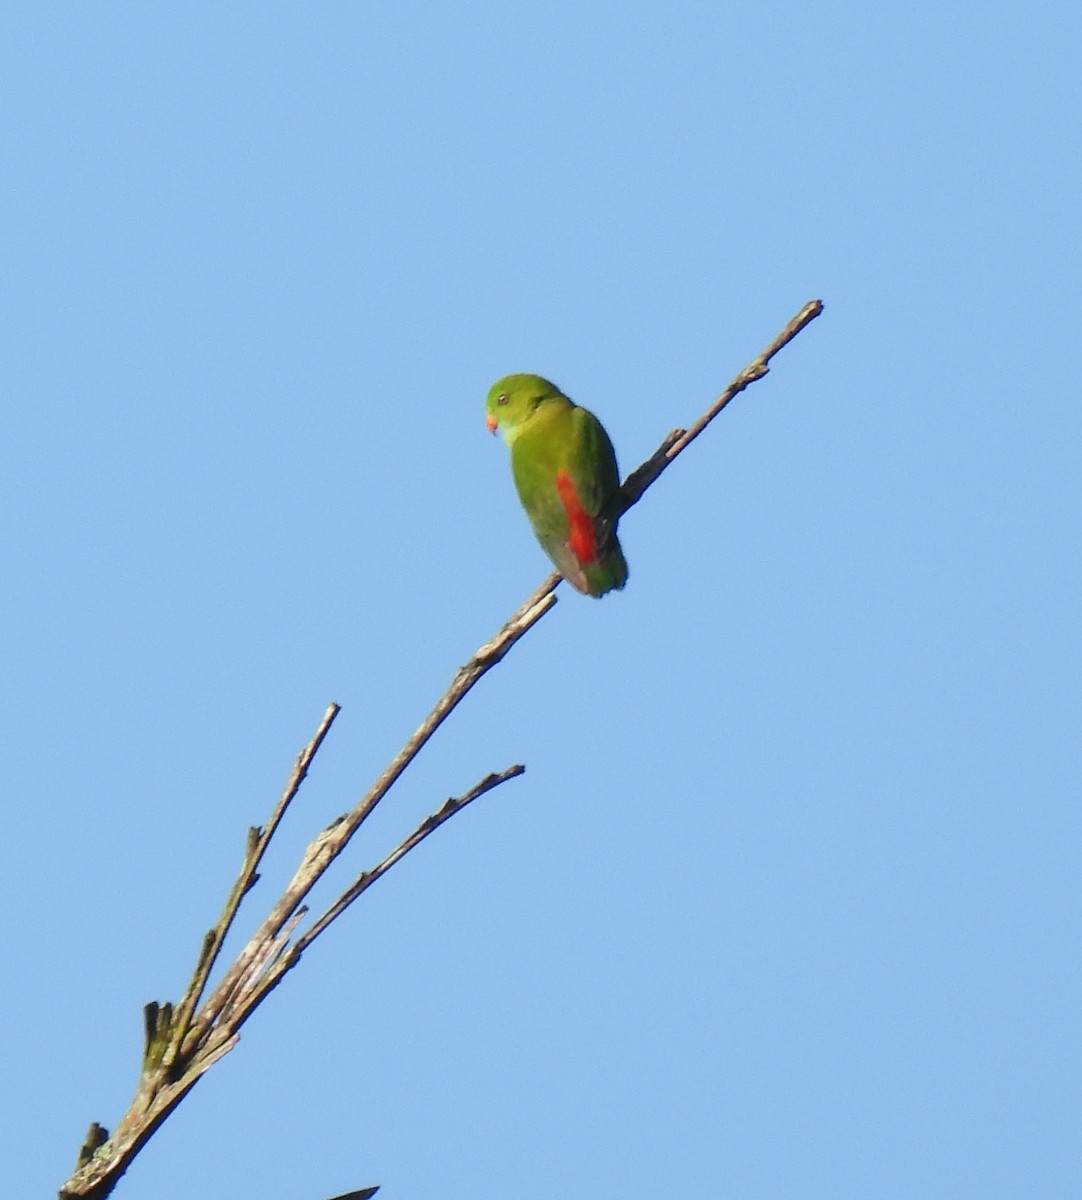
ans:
x=181 y=1044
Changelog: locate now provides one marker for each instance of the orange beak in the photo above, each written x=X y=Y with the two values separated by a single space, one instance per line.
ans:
x=490 y=423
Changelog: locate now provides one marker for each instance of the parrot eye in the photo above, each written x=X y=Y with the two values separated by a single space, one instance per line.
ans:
x=503 y=399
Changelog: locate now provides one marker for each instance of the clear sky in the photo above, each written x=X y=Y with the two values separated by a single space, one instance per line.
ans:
x=787 y=903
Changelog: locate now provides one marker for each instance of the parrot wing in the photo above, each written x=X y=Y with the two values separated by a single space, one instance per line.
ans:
x=569 y=485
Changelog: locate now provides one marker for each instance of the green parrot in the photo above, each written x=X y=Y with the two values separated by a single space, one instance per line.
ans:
x=565 y=471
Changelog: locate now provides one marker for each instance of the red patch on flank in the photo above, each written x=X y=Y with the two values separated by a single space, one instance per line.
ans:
x=581 y=538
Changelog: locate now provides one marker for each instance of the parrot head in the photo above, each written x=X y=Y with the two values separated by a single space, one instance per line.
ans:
x=513 y=399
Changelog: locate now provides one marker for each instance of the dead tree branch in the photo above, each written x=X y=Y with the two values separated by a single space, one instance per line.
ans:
x=183 y=1042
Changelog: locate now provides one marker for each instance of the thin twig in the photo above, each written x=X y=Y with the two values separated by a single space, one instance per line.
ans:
x=679 y=440
x=258 y=841
x=450 y=807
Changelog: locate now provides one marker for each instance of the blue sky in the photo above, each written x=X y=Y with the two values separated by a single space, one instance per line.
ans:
x=787 y=903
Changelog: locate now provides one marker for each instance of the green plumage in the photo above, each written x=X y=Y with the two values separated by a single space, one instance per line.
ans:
x=565 y=471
